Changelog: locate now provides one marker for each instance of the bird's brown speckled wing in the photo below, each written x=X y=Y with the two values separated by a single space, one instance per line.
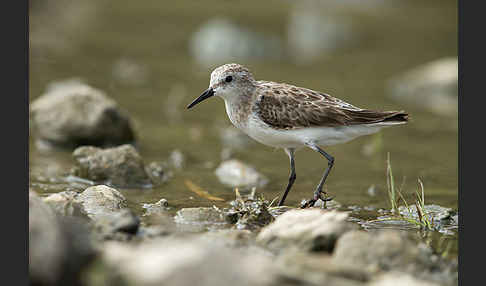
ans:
x=284 y=106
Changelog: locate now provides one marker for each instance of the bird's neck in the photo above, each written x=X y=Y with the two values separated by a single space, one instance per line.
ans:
x=238 y=110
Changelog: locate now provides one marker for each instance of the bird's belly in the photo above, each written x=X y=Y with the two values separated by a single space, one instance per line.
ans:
x=322 y=136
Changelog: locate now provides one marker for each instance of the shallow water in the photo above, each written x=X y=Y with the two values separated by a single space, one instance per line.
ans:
x=89 y=40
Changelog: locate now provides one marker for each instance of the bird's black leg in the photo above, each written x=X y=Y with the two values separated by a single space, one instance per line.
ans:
x=318 y=191
x=292 y=177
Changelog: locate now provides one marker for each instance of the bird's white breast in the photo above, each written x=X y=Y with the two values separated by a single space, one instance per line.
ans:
x=322 y=136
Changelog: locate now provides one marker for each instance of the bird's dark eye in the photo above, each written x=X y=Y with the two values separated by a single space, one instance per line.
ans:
x=228 y=78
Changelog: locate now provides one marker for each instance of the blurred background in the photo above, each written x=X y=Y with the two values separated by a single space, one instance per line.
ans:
x=155 y=57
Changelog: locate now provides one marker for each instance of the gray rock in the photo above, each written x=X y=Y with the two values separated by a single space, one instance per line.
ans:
x=391 y=250
x=399 y=279
x=219 y=41
x=317 y=268
x=188 y=262
x=120 y=225
x=235 y=173
x=440 y=216
x=305 y=229
x=158 y=172
x=99 y=201
x=120 y=166
x=72 y=114
x=59 y=248
x=433 y=86
x=63 y=203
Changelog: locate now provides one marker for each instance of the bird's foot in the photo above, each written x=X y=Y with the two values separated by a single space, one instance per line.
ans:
x=317 y=195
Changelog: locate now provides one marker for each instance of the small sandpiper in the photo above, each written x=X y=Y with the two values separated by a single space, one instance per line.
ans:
x=290 y=117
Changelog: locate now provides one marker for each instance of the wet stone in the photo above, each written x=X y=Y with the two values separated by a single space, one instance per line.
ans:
x=162 y=206
x=71 y=113
x=200 y=219
x=158 y=172
x=235 y=173
x=120 y=166
x=100 y=200
x=305 y=229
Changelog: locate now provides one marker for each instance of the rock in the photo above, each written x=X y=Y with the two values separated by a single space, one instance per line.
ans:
x=179 y=261
x=307 y=230
x=59 y=249
x=162 y=206
x=219 y=41
x=391 y=250
x=250 y=213
x=312 y=33
x=72 y=114
x=158 y=172
x=100 y=200
x=63 y=203
x=235 y=173
x=317 y=268
x=119 y=225
x=399 y=279
x=440 y=216
x=433 y=86
x=120 y=166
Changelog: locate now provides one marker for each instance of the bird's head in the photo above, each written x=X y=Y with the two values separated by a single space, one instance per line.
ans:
x=228 y=81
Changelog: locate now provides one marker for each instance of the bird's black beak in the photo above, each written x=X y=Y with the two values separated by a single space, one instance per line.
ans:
x=206 y=94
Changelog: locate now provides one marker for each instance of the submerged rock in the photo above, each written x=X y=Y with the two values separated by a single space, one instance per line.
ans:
x=235 y=173
x=59 y=248
x=199 y=219
x=219 y=41
x=305 y=229
x=120 y=166
x=440 y=217
x=72 y=114
x=391 y=250
x=99 y=201
x=433 y=86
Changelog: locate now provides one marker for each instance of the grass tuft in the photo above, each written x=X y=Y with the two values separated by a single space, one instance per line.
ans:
x=395 y=196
